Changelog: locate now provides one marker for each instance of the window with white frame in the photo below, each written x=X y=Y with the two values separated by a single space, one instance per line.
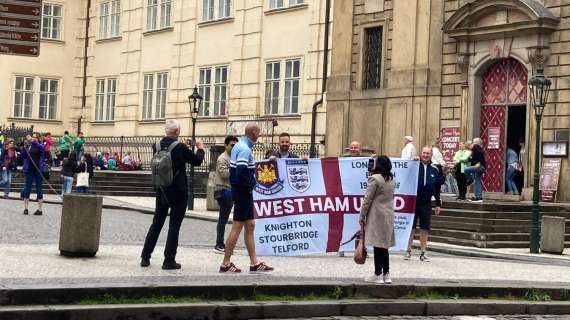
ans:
x=272 y=79
x=49 y=91
x=35 y=91
x=105 y=99
x=216 y=9
x=278 y=101
x=51 y=21
x=214 y=91
x=158 y=14
x=277 y=4
x=23 y=96
x=109 y=19
x=155 y=96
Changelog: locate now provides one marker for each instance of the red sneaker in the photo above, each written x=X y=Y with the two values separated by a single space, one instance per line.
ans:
x=260 y=267
x=230 y=268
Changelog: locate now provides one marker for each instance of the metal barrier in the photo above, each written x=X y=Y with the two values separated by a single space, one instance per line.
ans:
x=14 y=132
x=140 y=148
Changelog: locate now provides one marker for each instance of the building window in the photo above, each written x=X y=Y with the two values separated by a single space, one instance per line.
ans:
x=105 y=99
x=219 y=88
x=41 y=92
x=216 y=9
x=48 y=98
x=277 y=4
x=23 y=96
x=292 y=78
x=158 y=14
x=51 y=21
x=274 y=80
x=154 y=96
x=372 y=58
x=110 y=19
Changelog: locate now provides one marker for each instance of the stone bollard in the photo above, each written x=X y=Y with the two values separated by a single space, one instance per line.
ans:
x=552 y=234
x=211 y=203
x=80 y=225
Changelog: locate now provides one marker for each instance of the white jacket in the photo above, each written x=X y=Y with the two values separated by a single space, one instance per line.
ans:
x=409 y=152
x=437 y=157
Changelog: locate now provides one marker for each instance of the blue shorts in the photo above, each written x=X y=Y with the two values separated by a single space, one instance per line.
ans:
x=423 y=214
x=243 y=205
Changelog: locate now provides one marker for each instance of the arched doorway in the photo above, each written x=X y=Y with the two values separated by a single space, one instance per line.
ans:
x=503 y=117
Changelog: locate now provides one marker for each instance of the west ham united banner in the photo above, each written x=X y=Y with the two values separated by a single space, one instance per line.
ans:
x=313 y=206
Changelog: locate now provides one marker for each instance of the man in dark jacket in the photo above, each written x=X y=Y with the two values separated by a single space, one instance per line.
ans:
x=284 y=146
x=174 y=197
x=478 y=165
x=429 y=182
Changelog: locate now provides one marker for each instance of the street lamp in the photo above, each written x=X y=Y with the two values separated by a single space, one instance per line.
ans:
x=539 y=87
x=194 y=100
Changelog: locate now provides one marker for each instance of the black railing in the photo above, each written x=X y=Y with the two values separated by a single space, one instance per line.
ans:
x=14 y=132
x=140 y=148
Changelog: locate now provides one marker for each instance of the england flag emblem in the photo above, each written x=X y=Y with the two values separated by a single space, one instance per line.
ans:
x=298 y=175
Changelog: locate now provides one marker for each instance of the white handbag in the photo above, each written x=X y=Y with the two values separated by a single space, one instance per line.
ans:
x=83 y=179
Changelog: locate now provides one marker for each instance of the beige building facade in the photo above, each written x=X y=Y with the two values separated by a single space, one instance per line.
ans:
x=415 y=67
x=251 y=61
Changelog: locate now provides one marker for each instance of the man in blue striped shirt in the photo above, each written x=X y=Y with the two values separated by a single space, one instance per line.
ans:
x=242 y=180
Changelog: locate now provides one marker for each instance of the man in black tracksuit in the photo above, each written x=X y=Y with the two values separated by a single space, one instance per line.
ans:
x=429 y=182
x=174 y=197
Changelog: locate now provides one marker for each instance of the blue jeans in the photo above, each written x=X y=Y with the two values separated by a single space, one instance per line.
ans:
x=67 y=185
x=476 y=172
x=33 y=176
x=511 y=185
x=81 y=189
x=6 y=181
x=225 y=202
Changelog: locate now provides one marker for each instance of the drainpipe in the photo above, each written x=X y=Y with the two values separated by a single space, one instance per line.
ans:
x=313 y=151
x=85 y=60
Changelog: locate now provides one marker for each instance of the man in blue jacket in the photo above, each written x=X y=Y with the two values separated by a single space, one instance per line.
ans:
x=429 y=181
x=242 y=181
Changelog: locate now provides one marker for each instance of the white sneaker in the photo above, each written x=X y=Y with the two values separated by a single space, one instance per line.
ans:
x=408 y=255
x=386 y=278
x=374 y=279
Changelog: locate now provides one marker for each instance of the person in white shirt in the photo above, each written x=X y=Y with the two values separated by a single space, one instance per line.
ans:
x=409 y=151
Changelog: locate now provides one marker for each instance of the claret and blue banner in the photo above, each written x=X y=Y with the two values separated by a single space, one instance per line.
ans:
x=304 y=206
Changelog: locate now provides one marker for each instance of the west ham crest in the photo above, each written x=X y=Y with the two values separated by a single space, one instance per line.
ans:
x=267 y=177
x=298 y=175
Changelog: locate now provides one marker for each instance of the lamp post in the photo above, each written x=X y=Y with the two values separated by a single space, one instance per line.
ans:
x=195 y=101
x=539 y=87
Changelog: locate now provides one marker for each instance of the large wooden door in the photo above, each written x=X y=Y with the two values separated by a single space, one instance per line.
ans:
x=503 y=84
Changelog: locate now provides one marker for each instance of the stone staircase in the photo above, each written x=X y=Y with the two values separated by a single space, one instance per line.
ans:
x=490 y=224
x=111 y=183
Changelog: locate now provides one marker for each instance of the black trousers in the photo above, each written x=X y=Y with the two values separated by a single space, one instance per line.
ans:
x=461 y=183
x=176 y=202
x=381 y=261
x=225 y=203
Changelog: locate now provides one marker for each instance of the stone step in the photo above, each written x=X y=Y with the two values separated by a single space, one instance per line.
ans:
x=503 y=206
x=514 y=215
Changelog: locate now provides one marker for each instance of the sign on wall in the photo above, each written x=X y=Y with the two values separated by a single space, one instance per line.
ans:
x=20 y=27
x=494 y=138
x=449 y=143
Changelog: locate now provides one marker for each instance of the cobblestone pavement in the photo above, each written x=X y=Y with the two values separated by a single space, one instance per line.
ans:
x=510 y=317
x=118 y=227
x=28 y=250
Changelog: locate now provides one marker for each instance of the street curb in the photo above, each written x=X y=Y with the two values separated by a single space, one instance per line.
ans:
x=56 y=295
x=285 y=309
x=135 y=209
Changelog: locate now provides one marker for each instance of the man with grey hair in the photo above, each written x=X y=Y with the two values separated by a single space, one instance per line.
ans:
x=242 y=180
x=173 y=197
x=478 y=165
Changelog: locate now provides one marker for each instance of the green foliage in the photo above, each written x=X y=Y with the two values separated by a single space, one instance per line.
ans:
x=537 y=295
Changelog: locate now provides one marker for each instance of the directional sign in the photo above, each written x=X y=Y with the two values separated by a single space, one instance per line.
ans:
x=20 y=27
